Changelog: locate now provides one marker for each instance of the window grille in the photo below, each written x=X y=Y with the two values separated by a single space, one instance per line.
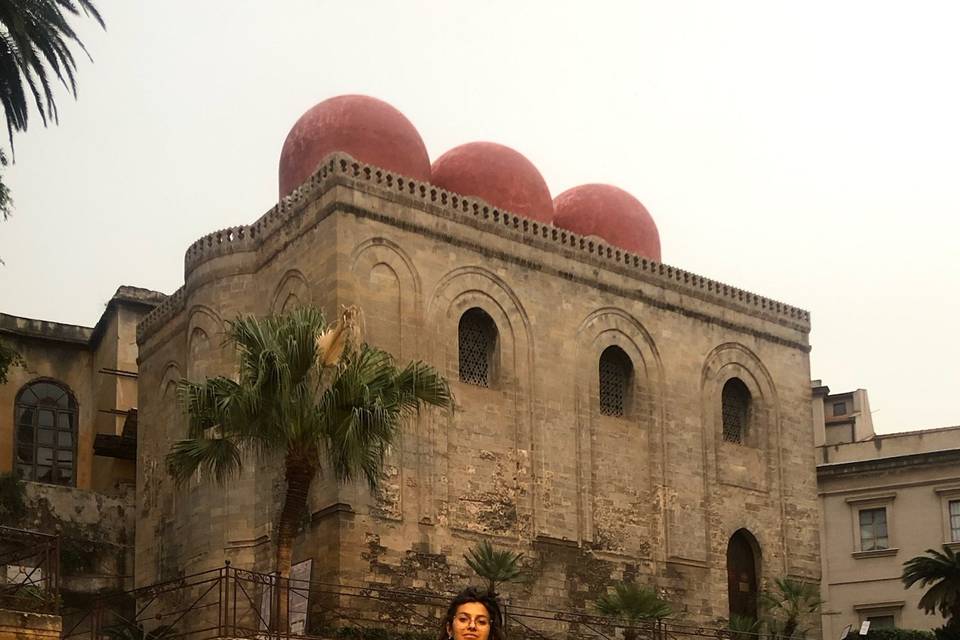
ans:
x=840 y=409
x=955 y=520
x=735 y=400
x=873 y=529
x=615 y=370
x=477 y=340
x=882 y=622
x=46 y=429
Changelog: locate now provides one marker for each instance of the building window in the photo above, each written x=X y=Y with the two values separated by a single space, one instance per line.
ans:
x=615 y=373
x=873 y=529
x=477 y=347
x=881 y=622
x=954 y=520
x=839 y=408
x=735 y=400
x=46 y=433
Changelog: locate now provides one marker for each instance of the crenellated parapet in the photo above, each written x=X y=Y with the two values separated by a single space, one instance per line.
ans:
x=161 y=313
x=340 y=168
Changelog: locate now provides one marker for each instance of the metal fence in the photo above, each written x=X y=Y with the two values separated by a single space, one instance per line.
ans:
x=235 y=603
x=29 y=570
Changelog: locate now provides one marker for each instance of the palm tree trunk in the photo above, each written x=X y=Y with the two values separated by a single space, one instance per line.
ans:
x=299 y=475
x=790 y=627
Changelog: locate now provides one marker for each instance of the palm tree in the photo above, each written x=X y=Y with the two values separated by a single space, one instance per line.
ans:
x=632 y=603
x=744 y=627
x=130 y=631
x=311 y=394
x=35 y=42
x=791 y=603
x=496 y=566
x=942 y=571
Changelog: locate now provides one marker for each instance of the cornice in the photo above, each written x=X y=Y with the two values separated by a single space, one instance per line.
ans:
x=341 y=169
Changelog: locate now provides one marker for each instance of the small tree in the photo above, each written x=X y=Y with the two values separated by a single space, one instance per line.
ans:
x=9 y=357
x=311 y=397
x=744 y=627
x=35 y=48
x=496 y=566
x=632 y=603
x=791 y=603
x=942 y=572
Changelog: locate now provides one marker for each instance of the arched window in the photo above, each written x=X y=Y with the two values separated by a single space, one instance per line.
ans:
x=615 y=373
x=735 y=399
x=477 y=347
x=46 y=433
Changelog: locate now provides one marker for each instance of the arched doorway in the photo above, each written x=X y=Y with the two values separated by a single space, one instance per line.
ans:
x=743 y=571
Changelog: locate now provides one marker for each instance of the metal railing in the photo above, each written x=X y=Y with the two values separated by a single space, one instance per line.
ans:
x=235 y=603
x=29 y=570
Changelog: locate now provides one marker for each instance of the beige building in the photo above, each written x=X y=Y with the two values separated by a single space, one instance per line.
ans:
x=618 y=418
x=884 y=499
x=68 y=426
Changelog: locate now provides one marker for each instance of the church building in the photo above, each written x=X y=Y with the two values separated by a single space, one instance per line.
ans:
x=617 y=417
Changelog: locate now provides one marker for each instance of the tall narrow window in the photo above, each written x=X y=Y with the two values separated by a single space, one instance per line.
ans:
x=477 y=347
x=735 y=400
x=46 y=433
x=615 y=373
x=955 y=521
x=873 y=529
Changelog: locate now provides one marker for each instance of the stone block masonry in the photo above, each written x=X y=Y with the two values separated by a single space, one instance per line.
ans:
x=528 y=461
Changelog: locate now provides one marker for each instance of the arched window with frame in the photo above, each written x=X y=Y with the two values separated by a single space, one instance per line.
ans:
x=735 y=403
x=477 y=347
x=45 y=441
x=616 y=373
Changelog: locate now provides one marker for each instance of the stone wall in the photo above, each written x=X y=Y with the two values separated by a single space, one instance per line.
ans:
x=529 y=462
x=19 y=625
x=96 y=534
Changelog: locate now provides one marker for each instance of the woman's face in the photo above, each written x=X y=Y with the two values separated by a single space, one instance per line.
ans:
x=471 y=622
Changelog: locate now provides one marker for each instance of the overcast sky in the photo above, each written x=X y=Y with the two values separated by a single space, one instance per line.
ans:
x=806 y=151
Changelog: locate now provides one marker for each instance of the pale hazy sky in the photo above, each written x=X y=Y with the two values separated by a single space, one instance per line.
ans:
x=806 y=151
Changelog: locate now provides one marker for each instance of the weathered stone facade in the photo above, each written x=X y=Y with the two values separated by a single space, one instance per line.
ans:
x=92 y=509
x=529 y=462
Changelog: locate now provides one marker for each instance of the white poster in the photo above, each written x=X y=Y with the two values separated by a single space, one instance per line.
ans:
x=298 y=599
x=300 y=574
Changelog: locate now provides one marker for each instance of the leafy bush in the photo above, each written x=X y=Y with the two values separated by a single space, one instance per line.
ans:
x=13 y=500
x=899 y=634
x=28 y=598
x=378 y=633
x=948 y=632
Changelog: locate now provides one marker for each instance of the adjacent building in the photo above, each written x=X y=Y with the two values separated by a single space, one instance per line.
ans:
x=883 y=499
x=68 y=426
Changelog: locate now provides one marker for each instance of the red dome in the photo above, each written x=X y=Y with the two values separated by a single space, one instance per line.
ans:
x=610 y=213
x=368 y=129
x=497 y=174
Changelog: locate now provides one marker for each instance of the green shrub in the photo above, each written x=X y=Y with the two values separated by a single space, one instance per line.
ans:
x=13 y=500
x=29 y=598
x=899 y=634
x=378 y=633
x=947 y=632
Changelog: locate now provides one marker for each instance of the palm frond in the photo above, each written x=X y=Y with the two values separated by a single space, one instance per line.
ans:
x=791 y=604
x=220 y=458
x=494 y=565
x=35 y=47
x=633 y=602
x=365 y=405
x=941 y=570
